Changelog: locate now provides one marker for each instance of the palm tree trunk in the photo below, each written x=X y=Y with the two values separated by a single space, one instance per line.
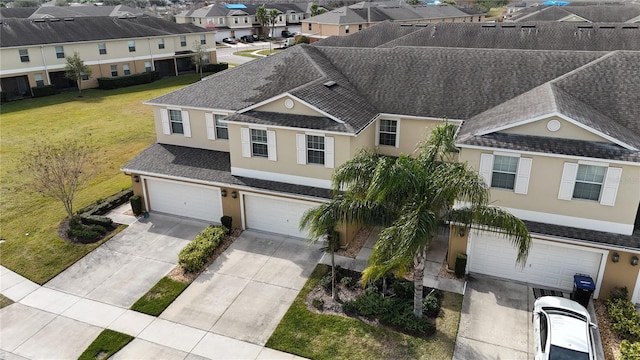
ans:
x=418 y=277
x=333 y=276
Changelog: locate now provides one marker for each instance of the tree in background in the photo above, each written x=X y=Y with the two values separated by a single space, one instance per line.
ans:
x=200 y=56
x=262 y=17
x=273 y=19
x=75 y=69
x=316 y=10
x=302 y=40
x=59 y=170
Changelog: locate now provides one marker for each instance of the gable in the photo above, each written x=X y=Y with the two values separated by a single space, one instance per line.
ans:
x=574 y=18
x=289 y=105
x=566 y=130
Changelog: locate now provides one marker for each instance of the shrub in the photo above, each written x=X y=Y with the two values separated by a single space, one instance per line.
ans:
x=302 y=40
x=625 y=319
x=3 y=97
x=325 y=283
x=317 y=303
x=98 y=228
x=347 y=282
x=461 y=265
x=136 y=204
x=215 y=67
x=84 y=235
x=43 y=90
x=403 y=288
x=129 y=80
x=629 y=350
x=431 y=306
x=96 y=220
x=227 y=221
x=102 y=207
x=619 y=293
x=196 y=254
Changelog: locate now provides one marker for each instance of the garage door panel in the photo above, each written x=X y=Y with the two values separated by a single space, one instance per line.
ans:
x=276 y=215
x=188 y=200
x=547 y=264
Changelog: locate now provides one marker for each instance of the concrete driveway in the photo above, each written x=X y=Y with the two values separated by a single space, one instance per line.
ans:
x=124 y=268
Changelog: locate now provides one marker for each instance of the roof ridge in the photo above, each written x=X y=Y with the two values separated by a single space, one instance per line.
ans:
x=590 y=63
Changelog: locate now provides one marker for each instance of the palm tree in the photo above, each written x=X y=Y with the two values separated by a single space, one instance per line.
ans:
x=273 y=18
x=412 y=197
x=262 y=17
x=323 y=228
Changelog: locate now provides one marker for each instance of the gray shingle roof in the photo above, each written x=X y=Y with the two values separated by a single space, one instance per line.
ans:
x=591 y=13
x=290 y=120
x=373 y=13
x=625 y=241
x=206 y=165
x=23 y=32
x=84 y=10
x=370 y=37
x=20 y=13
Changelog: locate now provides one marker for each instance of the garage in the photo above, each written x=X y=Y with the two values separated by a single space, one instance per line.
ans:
x=182 y=199
x=549 y=264
x=275 y=214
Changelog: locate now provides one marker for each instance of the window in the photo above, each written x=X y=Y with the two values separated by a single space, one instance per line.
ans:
x=259 y=146
x=505 y=169
x=220 y=21
x=246 y=20
x=280 y=18
x=309 y=27
x=388 y=132
x=203 y=39
x=161 y=43
x=114 y=70
x=132 y=46
x=147 y=66
x=315 y=149
x=102 y=48
x=346 y=29
x=39 y=80
x=294 y=17
x=235 y=20
x=24 y=55
x=183 y=41
x=589 y=180
x=175 y=121
x=84 y=76
x=60 y=52
x=222 y=132
x=359 y=27
x=125 y=69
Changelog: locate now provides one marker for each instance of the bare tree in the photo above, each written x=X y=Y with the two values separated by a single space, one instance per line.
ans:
x=200 y=56
x=75 y=69
x=59 y=170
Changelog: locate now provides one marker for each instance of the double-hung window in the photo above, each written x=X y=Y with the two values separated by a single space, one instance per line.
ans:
x=222 y=132
x=114 y=70
x=590 y=181
x=102 y=48
x=24 y=55
x=147 y=66
x=183 y=41
x=126 y=69
x=315 y=149
x=203 y=39
x=506 y=171
x=258 y=143
x=60 y=52
x=175 y=121
x=132 y=45
x=39 y=80
x=161 y=43
x=388 y=133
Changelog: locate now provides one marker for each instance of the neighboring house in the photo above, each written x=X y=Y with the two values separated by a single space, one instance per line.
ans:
x=351 y=19
x=33 y=51
x=554 y=133
x=611 y=13
x=237 y=20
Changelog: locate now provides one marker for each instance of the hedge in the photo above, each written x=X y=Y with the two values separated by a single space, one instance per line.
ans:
x=103 y=206
x=198 y=252
x=41 y=91
x=107 y=83
x=629 y=351
x=215 y=67
x=625 y=319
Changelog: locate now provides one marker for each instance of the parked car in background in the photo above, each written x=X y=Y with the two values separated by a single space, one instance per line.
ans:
x=229 y=40
x=246 y=38
x=287 y=34
x=562 y=330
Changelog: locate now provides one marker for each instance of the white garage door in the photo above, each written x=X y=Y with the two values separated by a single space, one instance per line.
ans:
x=189 y=200
x=276 y=215
x=549 y=265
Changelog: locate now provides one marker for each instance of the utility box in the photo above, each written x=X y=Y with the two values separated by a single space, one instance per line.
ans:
x=583 y=288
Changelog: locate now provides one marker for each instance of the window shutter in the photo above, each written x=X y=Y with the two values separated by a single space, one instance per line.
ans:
x=568 y=181
x=486 y=167
x=245 y=137
x=377 y=132
x=211 y=126
x=271 y=145
x=301 y=148
x=328 y=152
x=397 y=133
x=522 y=177
x=186 y=124
x=164 y=118
x=610 y=186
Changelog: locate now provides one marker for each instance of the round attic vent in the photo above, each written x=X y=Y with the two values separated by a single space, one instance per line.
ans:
x=553 y=125
x=289 y=104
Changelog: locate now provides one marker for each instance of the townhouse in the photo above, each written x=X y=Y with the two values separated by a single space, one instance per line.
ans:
x=550 y=124
x=587 y=13
x=34 y=51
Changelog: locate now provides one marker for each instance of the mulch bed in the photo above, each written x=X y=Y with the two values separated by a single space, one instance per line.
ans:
x=610 y=341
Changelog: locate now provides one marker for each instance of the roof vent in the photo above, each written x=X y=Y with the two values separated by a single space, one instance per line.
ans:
x=487 y=25
x=528 y=26
x=38 y=20
x=607 y=27
x=629 y=26
x=512 y=26
x=68 y=19
x=408 y=25
x=53 y=20
x=330 y=83
x=421 y=25
x=585 y=26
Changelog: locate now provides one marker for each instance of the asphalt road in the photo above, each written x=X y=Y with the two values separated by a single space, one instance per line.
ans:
x=225 y=54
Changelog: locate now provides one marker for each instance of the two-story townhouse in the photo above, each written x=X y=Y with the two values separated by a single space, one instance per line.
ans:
x=587 y=13
x=264 y=154
x=34 y=51
x=351 y=19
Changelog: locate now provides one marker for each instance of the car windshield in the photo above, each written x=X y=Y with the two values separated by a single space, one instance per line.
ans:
x=560 y=353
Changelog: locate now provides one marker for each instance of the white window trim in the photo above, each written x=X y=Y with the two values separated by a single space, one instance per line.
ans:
x=166 y=122
x=608 y=191
x=329 y=151
x=523 y=172
x=397 y=132
x=245 y=138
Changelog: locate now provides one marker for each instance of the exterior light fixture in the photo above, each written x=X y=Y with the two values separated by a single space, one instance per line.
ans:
x=461 y=232
x=136 y=178
x=615 y=257
x=634 y=260
x=223 y=192
x=234 y=194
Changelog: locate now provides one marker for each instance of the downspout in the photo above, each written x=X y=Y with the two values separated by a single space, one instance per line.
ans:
x=153 y=65
x=44 y=62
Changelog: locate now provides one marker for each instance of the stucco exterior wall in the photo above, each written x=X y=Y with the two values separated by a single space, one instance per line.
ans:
x=412 y=132
x=620 y=274
x=198 y=137
x=457 y=244
x=231 y=207
x=298 y=107
x=567 y=130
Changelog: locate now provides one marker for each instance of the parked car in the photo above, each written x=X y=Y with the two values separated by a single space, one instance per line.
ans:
x=286 y=34
x=246 y=38
x=229 y=40
x=562 y=330
x=255 y=37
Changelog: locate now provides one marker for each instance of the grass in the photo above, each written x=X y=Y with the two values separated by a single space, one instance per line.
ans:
x=105 y=345
x=268 y=52
x=318 y=336
x=159 y=297
x=120 y=127
x=247 y=53
x=5 y=301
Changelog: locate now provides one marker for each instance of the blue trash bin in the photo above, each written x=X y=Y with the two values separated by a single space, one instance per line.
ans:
x=583 y=287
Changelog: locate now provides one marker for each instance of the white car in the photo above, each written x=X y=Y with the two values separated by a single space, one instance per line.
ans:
x=562 y=329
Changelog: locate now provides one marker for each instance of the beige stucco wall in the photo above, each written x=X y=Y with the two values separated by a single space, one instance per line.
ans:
x=567 y=130
x=347 y=233
x=544 y=184
x=366 y=139
x=198 y=137
x=619 y=274
x=457 y=244
x=231 y=207
x=298 y=107
x=412 y=132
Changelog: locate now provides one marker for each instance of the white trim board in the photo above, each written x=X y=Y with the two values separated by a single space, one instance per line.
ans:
x=286 y=94
x=572 y=221
x=285 y=178
x=636 y=293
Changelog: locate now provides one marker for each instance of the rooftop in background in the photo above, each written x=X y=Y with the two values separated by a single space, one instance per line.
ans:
x=619 y=12
x=62 y=12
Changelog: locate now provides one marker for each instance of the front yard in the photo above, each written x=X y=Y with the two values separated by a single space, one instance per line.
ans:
x=119 y=125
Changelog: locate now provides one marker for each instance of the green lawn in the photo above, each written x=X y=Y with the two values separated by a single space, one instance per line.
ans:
x=318 y=336
x=159 y=297
x=5 y=301
x=120 y=126
x=247 y=53
x=105 y=345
